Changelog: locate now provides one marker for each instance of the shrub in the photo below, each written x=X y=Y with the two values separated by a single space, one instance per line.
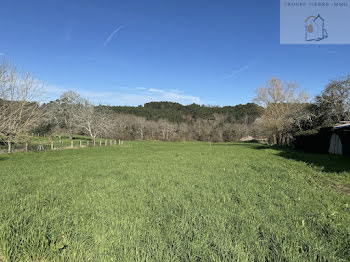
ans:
x=314 y=141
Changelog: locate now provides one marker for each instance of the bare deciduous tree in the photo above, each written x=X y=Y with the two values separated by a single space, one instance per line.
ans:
x=281 y=102
x=19 y=107
x=334 y=102
x=94 y=121
x=66 y=111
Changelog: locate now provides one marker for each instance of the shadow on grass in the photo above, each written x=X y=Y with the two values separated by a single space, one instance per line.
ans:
x=82 y=138
x=327 y=163
x=3 y=158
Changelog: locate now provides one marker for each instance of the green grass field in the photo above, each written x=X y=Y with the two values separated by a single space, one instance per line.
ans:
x=158 y=201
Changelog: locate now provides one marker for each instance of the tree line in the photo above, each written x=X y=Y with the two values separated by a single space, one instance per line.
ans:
x=281 y=110
x=21 y=114
x=71 y=114
x=288 y=112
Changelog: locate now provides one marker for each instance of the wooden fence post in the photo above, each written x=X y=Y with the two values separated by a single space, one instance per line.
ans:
x=26 y=147
x=94 y=143
x=119 y=142
x=40 y=147
x=105 y=142
x=100 y=142
x=80 y=143
x=9 y=145
x=87 y=143
x=71 y=144
x=51 y=145
x=115 y=141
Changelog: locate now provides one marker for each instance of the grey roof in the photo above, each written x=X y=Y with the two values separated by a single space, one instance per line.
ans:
x=341 y=126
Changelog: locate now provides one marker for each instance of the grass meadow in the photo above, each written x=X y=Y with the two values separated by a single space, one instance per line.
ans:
x=160 y=201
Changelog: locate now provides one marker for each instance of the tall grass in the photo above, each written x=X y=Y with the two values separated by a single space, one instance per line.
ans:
x=152 y=201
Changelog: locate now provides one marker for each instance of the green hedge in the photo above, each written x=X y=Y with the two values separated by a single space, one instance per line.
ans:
x=314 y=141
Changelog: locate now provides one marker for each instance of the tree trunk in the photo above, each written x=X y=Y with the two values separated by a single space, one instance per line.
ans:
x=280 y=140
x=9 y=140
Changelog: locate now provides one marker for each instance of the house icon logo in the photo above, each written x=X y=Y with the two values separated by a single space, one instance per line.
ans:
x=314 y=29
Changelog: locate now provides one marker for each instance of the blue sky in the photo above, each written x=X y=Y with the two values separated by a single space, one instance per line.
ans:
x=132 y=52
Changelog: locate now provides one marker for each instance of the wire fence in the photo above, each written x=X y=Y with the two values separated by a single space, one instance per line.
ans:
x=56 y=145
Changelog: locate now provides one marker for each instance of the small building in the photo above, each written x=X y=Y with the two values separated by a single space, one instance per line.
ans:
x=340 y=139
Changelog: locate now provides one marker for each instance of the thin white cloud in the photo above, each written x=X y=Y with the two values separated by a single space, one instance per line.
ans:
x=2 y=54
x=135 y=96
x=155 y=90
x=52 y=89
x=112 y=35
x=174 y=96
x=237 y=72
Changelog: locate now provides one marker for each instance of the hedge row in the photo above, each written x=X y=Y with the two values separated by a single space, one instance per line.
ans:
x=314 y=141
